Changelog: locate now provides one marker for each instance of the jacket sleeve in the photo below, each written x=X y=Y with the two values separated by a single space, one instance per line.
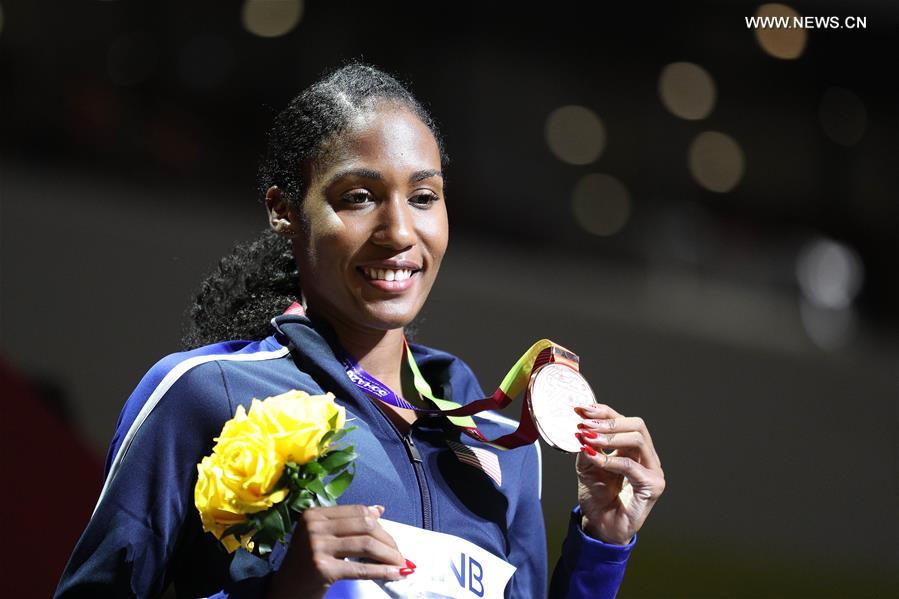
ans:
x=128 y=548
x=588 y=567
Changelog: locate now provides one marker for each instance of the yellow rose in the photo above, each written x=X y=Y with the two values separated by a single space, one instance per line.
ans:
x=214 y=502
x=296 y=422
x=250 y=466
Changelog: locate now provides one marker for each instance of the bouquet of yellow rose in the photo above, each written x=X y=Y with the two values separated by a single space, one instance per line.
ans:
x=268 y=465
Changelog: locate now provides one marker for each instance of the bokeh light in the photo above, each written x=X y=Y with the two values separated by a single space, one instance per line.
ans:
x=830 y=274
x=716 y=161
x=271 y=18
x=843 y=116
x=786 y=43
x=131 y=59
x=828 y=328
x=687 y=90
x=601 y=204
x=575 y=134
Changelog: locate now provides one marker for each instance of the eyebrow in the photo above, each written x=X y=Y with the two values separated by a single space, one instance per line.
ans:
x=367 y=173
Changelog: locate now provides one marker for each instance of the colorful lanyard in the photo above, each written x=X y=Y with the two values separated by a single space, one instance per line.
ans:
x=516 y=381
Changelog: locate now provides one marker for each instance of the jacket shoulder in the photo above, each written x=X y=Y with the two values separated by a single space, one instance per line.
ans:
x=186 y=373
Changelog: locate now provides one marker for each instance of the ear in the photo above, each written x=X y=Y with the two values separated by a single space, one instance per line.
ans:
x=280 y=217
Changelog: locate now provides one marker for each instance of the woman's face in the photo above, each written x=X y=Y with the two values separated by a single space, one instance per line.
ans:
x=374 y=222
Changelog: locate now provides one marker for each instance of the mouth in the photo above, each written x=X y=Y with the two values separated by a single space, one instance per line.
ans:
x=389 y=278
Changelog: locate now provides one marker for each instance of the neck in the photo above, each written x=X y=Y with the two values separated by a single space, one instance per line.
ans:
x=378 y=352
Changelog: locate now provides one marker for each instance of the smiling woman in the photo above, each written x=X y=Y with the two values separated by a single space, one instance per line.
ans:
x=353 y=187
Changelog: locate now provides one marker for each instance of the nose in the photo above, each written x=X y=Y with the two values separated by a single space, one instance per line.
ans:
x=396 y=226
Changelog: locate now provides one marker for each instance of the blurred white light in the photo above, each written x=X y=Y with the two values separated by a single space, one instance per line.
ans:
x=828 y=328
x=786 y=43
x=687 y=90
x=716 y=161
x=271 y=18
x=575 y=134
x=131 y=59
x=205 y=61
x=843 y=116
x=601 y=204
x=830 y=274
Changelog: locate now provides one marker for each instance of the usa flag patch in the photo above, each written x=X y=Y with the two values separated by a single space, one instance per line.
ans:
x=482 y=459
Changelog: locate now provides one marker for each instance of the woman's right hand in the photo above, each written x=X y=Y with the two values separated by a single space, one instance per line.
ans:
x=323 y=537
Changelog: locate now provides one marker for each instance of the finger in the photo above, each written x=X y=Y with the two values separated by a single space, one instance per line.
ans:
x=597 y=410
x=337 y=569
x=365 y=546
x=614 y=424
x=342 y=511
x=648 y=485
x=631 y=443
x=591 y=474
x=617 y=425
x=352 y=527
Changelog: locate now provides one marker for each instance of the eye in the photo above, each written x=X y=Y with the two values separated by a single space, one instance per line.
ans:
x=424 y=200
x=358 y=196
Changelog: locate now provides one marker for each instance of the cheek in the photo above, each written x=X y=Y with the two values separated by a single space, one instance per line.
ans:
x=327 y=240
x=435 y=233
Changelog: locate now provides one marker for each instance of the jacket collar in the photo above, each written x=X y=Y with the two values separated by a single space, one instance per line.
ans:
x=312 y=344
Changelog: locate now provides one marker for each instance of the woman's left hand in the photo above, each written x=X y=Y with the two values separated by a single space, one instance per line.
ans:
x=606 y=516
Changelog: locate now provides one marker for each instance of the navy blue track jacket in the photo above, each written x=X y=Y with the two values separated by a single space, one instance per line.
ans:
x=145 y=532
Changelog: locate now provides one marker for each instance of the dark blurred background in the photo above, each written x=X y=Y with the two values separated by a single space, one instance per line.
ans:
x=706 y=212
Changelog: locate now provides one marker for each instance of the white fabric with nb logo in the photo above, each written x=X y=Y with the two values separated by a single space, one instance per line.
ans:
x=447 y=566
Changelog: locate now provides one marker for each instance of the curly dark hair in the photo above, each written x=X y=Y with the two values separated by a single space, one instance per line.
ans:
x=259 y=278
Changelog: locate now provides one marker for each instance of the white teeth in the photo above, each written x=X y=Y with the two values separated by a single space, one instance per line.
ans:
x=385 y=274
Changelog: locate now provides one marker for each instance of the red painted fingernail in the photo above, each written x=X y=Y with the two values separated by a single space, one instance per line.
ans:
x=579 y=437
x=409 y=564
x=406 y=571
x=588 y=450
x=589 y=434
x=581 y=425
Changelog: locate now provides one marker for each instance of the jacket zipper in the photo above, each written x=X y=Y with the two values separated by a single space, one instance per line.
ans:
x=415 y=458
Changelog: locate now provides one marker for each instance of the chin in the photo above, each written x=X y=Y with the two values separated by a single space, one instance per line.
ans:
x=387 y=319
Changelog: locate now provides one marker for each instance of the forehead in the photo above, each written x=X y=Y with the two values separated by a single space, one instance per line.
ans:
x=388 y=139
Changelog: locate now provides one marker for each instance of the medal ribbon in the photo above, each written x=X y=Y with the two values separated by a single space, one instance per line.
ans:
x=515 y=382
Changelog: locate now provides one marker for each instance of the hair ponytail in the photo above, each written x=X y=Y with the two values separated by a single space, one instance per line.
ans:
x=250 y=286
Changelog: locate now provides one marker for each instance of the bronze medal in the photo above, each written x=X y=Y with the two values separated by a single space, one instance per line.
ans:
x=554 y=390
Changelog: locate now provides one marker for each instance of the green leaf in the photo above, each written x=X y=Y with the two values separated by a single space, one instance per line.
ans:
x=273 y=523
x=327 y=437
x=322 y=497
x=335 y=459
x=325 y=500
x=314 y=468
x=284 y=510
x=316 y=486
x=302 y=502
x=332 y=422
x=339 y=484
x=338 y=435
